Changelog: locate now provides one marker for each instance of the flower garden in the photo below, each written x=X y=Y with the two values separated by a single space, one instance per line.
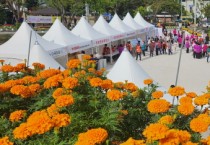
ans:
x=80 y=106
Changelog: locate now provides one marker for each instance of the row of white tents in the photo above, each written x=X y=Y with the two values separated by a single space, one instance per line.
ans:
x=59 y=41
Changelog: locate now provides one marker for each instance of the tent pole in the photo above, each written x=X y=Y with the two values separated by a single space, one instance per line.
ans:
x=29 y=48
x=110 y=47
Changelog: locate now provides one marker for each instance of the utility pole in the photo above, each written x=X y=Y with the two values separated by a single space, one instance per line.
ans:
x=195 y=11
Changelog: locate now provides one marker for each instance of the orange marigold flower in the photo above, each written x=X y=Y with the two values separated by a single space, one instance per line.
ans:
x=21 y=90
x=48 y=73
x=65 y=100
x=114 y=95
x=39 y=122
x=80 y=74
x=58 y=92
x=107 y=84
x=184 y=136
x=53 y=81
x=70 y=83
x=22 y=132
x=99 y=72
x=132 y=141
x=21 y=66
x=9 y=84
x=86 y=57
x=92 y=70
x=155 y=131
x=176 y=91
x=201 y=100
x=5 y=141
x=206 y=141
x=190 y=143
x=198 y=125
x=7 y=68
x=204 y=117
x=171 y=138
x=52 y=110
x=119 y=85
x=157 y=94
x=131 y=87
x=166 y=119
x=186 y=108
x=96 y=82
x=191 y=95
x=73 y=63
x=3 y=88
x=92 y=137
x=37 y=65
x=34 y=88
x=61 y=120
x=158 y=106
x=17 y=115
x=2 y=61
x=30 y=79
x=185 y=100
x=207 y=95
x=148 y=81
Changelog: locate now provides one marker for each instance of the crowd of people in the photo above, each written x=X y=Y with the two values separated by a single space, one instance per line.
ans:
x=169 y=42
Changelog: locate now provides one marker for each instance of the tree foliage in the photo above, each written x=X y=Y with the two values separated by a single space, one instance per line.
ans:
x=207 y=11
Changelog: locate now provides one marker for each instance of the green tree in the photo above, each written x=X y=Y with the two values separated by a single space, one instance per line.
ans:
x=206 y=11
x=2 y=15
x=143 y=11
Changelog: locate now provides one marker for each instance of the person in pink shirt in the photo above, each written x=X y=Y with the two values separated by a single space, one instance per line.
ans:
x=187 y=45
x=174 y=32
x=204 y=48
x=180 y=41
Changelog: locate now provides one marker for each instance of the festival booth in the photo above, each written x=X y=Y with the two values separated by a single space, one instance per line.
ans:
x=117 y=24
x=17 y=48
x=38 y=54
x=103 y=27
x=127 y=69
x=59 y=34
x=141 y=31
x=149 y=27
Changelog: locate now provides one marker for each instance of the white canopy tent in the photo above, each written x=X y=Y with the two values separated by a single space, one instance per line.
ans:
x=149 y=27
x=86 y=31
x=128 y=20
x=17 y=47
x=38 y=54
x=59 y=34
x=103 y=27
x=127 y=69
x=117 y=24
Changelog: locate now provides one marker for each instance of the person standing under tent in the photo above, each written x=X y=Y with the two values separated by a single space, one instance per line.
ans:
x=138 y=51
x=143 y=47
x=129 y=47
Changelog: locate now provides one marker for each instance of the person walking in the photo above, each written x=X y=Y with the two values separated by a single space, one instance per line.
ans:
x=169 y=47
x=138 y=51
x=208 y=53
x=129 y=47
x=204 y=49
x=143 y=48
x=207 y=39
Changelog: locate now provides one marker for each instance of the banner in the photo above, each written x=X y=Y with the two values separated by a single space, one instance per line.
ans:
x=42 y=19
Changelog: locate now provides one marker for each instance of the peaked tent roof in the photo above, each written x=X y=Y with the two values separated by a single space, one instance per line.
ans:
x=117 y=24
x=128 y=20
x=38 y=54
x=18 y=45
x=126 y=68
x=140 y=20
x=102 y=26
x=59 y=34
x=85 y=30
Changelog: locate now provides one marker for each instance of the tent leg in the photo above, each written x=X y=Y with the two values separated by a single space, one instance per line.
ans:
x=110 y=47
